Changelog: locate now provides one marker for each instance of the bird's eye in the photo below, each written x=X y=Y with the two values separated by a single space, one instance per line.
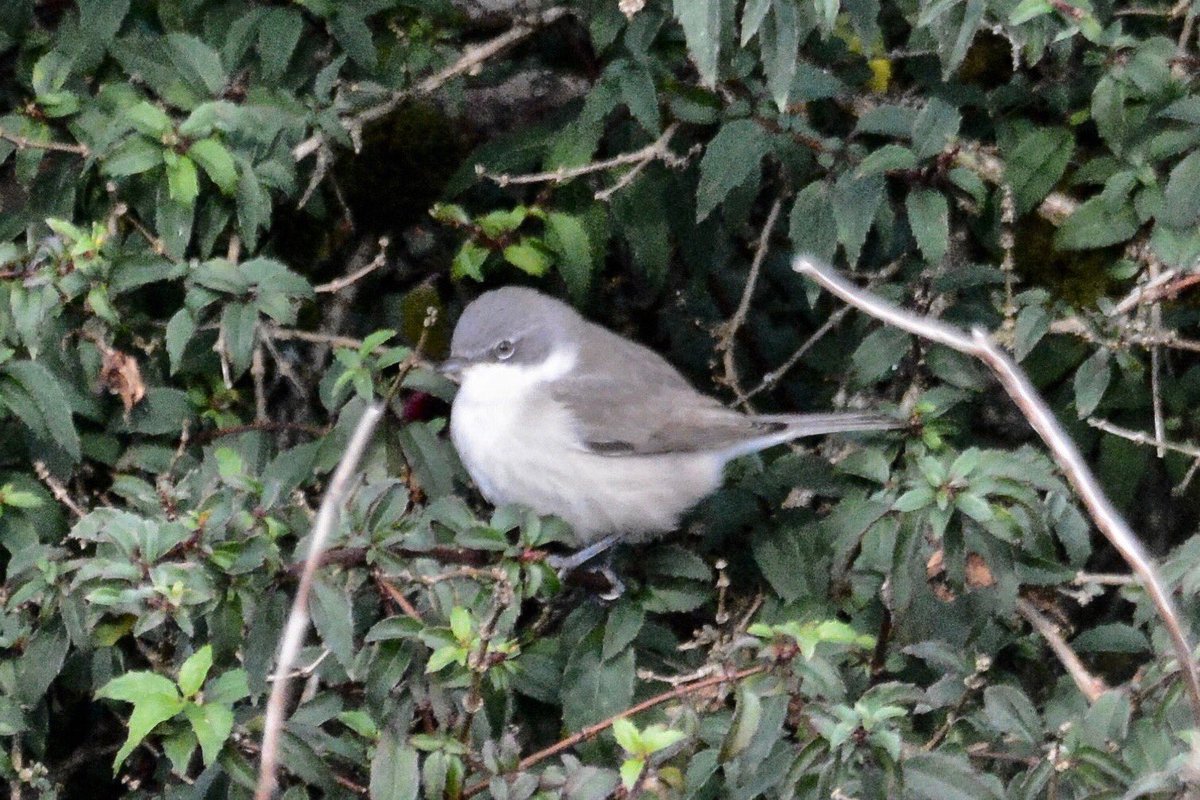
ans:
x=504 y=349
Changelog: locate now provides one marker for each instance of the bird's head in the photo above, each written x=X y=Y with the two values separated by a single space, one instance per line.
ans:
x=512 y=329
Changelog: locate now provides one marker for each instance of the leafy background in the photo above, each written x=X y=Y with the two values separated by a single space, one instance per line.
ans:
x=227 y=225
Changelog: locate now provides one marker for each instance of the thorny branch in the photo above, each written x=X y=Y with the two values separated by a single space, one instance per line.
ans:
x=593 y=730
x=1088 y=684
x=1042 y=420
x=729 y=331
x=658 y=150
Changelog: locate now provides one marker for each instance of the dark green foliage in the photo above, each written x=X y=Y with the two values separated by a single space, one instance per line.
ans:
x=225 y=225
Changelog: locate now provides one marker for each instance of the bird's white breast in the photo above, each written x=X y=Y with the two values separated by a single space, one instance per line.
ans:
x=522 y=446
x=503 y=420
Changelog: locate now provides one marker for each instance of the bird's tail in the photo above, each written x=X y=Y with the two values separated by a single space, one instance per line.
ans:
x=798 y=425
x=780 y=428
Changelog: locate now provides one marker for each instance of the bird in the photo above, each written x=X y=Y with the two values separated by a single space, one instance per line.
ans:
x=567 y=418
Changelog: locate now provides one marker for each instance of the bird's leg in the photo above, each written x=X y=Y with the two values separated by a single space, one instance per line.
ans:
x=565 y=564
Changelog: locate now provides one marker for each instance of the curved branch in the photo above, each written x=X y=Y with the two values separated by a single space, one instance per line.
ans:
x=1042 y=420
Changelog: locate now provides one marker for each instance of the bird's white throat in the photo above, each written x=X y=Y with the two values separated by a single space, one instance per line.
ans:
x=500 y=412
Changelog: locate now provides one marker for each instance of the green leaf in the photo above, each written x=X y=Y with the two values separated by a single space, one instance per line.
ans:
x=593 y=689
x=333 y=617
x=1010 y=711
x=460 y=624
x=239 y=324
x=198 y=63
x=217 y=163
x=780 y=45
x=468 y=261
x=701 y=23
x=1037 y=163
x=812 y=227
x=753 y=13
x=132 y=157
x=394 y=770
x=178 y=748
x=278 y=34
x=149 y=119
x=1032 y=324
x=1109 y=112
x=444 y=656
x=940 y=776
x=212 y=725
x=180 y=330
x=935 y=128
x=34 y=396
x=182 y=180
x=1099 y=222
x=879 y=352
x=528 y=255
x=631 y=770
x=1181 y=201
x=1091 y=381
x=155 y=700
x=890 y=157
x=626 y=734
x=625 y=620
x=747 y=716
x=855 y=201
x=929 y=218
x=194 y=670
x=1029 y=9
x=733 y=154
x=566 y=236
x=253 y=206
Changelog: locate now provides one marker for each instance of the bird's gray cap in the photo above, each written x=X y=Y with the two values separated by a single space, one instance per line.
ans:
x=532 y=324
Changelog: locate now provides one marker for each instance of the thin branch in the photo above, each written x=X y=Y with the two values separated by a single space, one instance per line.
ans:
x=24 y=143
x=297 y=622
x=1142 y=438
x=337 y=285
x=658 y=150
x=1143 y=291
x=328 y=339
x=1042 y=420
x=1102 y=579
x=57 y=488
x=1089 y=685
x=728 y=331
x=469 y=61
x=592 y=730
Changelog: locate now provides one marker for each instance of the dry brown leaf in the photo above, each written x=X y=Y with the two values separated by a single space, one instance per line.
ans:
x=120 y=375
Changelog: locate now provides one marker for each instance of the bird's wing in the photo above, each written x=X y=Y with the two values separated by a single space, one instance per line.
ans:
x=621 y=417
x=626 y=399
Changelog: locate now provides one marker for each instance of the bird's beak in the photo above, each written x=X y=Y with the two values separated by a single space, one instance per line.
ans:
x=453 y=367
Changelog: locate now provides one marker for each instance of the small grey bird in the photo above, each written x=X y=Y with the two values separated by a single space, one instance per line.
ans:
x=568 y=418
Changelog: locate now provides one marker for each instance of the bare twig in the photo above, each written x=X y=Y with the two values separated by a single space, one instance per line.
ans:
x=1090 y=685
x=770 y=379
x=56 y=488
x=314 y=337
x=258 y=373
x=1101 y=579
x=600 y=727
x=468 y=62
x=1042 y=420
x=1139 y=293
x=658 y=150
x=297 y=622
x=346 y=280
x=24 y=143
x=1142 y=438
x=728 y=331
